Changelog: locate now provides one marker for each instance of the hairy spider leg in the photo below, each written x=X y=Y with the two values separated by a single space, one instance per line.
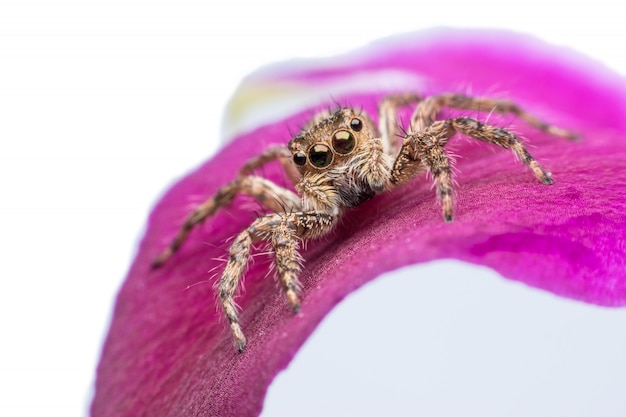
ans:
x=426 y=149
x=388 y=120
x=427 y=110
x=284 y=232
x=272 y=196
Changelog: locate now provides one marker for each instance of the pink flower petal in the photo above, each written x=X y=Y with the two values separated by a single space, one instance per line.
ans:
x=169 y=352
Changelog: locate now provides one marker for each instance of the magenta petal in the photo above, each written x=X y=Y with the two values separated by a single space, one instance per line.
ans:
x=169 y=351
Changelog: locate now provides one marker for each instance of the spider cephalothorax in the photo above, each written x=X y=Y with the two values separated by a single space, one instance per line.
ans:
x=339 y=160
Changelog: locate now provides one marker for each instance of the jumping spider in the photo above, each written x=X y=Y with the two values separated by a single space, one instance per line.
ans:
x=338 y=161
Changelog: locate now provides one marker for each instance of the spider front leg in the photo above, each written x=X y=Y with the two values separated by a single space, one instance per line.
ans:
x=426 y=149
x=283 y=231
x=288 y=260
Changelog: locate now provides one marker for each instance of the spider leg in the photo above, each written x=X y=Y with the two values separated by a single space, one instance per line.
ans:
x=388 y=120
x=274 y=152
x=426 y=149
x=285 y=245
x=238 y=259
x=427 y=111
x=272 y=196
x=497 y=136
x=283 y=230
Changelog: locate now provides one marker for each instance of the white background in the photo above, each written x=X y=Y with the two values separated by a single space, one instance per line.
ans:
x=103 y=104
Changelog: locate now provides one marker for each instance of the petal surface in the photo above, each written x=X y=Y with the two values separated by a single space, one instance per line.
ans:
x=169 y=351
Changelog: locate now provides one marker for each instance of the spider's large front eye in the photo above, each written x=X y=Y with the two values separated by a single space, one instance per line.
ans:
x=299 y=158
x=320 y=155
x=343 y=142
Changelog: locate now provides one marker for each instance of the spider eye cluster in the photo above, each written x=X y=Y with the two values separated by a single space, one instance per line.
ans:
x=321 y=155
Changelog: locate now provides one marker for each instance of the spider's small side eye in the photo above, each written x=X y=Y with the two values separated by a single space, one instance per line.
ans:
x=343 y=142
x=356 y=125
x=320 y=155
x=299 y=158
